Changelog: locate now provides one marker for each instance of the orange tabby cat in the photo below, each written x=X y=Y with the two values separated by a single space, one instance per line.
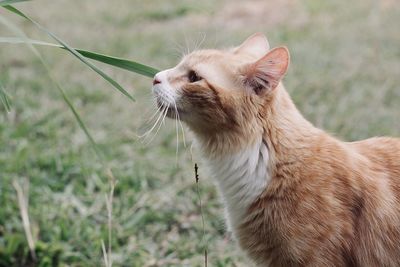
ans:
x=294 y=195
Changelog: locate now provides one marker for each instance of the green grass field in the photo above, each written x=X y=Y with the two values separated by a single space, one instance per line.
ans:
x=344 y=77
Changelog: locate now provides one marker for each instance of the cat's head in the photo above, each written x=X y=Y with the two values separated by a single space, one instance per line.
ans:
x=222 y=90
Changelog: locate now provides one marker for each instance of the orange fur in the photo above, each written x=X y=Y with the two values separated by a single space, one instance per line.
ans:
x=325 y=202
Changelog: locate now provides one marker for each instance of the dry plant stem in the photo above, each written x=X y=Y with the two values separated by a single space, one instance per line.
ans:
x=23 y=207
x=196 y=168
x=109 y=202
x=105 y=256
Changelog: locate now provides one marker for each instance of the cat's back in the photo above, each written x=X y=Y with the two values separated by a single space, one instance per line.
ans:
x=383 y=154
x=383 y=160
x=378 y=228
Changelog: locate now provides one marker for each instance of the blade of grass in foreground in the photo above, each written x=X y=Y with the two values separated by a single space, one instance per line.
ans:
x=72 y=51
x=4 y=98
x=66 y=99
x=121 y=63
x=9 y=2
x=110 y=60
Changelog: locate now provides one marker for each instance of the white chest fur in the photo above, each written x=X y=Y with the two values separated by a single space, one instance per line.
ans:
x=241 y=178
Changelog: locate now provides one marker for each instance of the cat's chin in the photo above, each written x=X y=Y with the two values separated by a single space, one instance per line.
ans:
x=171 y=113
x=174 y=113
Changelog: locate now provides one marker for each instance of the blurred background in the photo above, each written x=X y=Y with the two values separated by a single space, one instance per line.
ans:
x=344 y=77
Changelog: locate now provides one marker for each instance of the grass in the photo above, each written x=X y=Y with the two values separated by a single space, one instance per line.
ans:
x=343 y=77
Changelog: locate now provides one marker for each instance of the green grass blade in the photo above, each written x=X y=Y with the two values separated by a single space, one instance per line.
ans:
x=121 y=63
x=78 y=119
x=20 y=40
x=66 y=99
x=73 y=52
x=4 y=98
x=110 y=60
x=9 y=2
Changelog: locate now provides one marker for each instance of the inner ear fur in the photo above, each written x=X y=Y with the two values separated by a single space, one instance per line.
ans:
x=266 y=73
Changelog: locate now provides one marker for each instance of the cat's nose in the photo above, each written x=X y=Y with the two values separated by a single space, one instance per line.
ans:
x=156 y=81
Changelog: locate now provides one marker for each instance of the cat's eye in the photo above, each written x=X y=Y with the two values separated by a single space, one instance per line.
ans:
x=193 y=76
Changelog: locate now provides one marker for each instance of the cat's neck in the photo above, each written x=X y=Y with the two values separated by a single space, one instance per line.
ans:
x=280 y=126
x=288 y=134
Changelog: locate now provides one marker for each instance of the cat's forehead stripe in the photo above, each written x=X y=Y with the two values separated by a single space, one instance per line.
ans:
x=202 y=56
x=216 y=74
x=212 y=66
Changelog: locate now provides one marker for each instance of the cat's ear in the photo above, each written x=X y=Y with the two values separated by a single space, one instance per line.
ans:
x=266 y=73
x=256 y=45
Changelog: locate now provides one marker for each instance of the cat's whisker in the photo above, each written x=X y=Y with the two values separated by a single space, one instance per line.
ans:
x=177 y=120
x=165 y=111
x=200 y=43
x=151 y=128
x=155 y=124
x=187 y=51
x=183 y=131
x=177 y=134
x=156 y=111
x=150 y=123
x=180 y=123
x=159 y=125
x=179 y=50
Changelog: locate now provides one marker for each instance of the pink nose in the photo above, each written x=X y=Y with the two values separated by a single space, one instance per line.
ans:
x=155 y=81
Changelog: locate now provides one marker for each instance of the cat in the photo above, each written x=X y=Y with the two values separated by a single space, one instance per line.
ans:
x=294 y=195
